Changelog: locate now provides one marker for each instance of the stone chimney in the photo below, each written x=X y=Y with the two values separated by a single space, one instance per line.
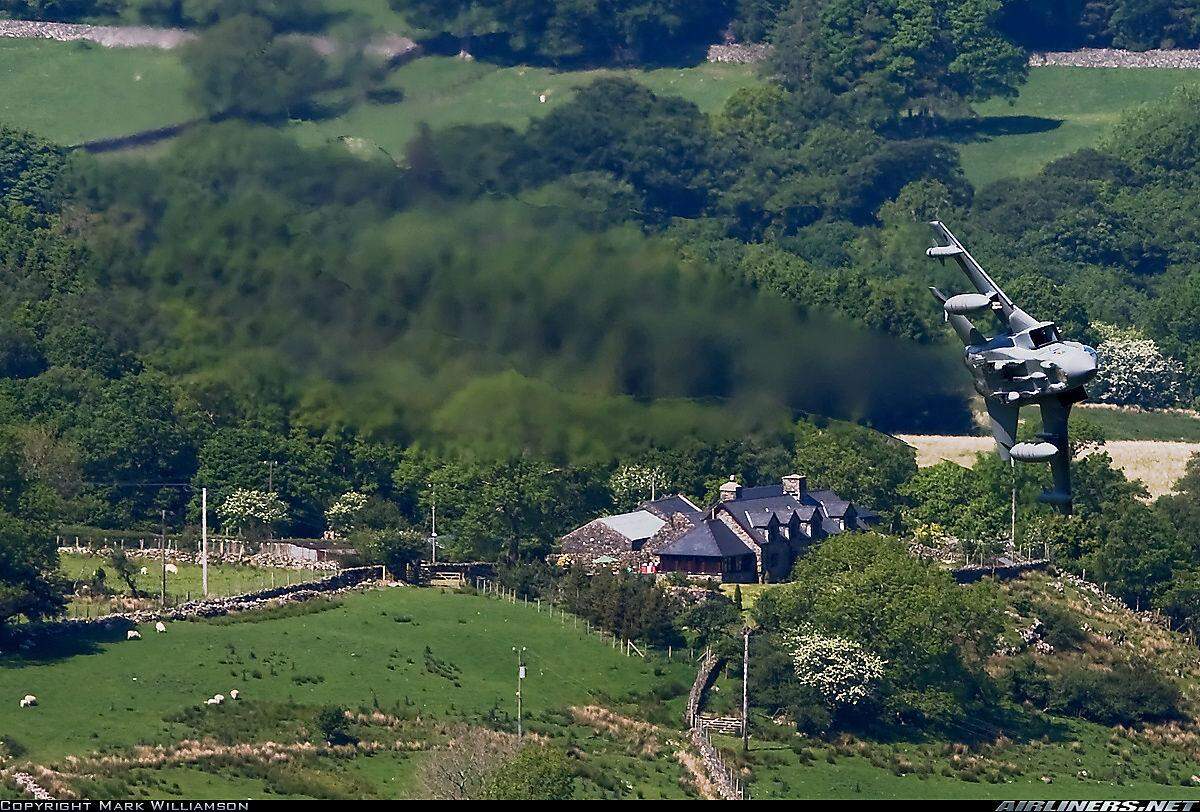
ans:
x=794 y=484
x=730 y=490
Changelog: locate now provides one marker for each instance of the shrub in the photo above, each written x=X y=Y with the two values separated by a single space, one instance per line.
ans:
x=331 y=722
x=1125 y=695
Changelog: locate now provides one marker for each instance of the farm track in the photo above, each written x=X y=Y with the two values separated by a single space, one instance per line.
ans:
x=1157 y=463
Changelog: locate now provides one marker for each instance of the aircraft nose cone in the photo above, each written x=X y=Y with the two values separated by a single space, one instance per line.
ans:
x=1080 y=367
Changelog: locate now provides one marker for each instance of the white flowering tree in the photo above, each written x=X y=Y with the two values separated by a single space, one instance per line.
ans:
x=631 y=484
x=1133 y=371
x=841 y=671
x=343 y=514
x=251 y=510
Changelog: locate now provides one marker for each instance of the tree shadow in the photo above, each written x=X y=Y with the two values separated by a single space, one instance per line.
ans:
x=62 y=645
x=988 y=127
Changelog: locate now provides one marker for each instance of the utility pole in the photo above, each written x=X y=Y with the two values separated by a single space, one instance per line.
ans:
x=745 y=692
x=270 y=488
x=162 y=547
x=520 y=678
x=204 y=540
x=433 y=530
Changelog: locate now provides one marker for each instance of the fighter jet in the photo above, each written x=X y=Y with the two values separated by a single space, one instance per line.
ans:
x=1023 y=363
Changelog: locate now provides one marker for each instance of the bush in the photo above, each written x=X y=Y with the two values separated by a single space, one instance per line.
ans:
x=1125 y=695
x=331 y=722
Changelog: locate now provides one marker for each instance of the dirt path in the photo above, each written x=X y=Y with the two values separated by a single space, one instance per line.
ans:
x=389 y=46
x=1158 y=463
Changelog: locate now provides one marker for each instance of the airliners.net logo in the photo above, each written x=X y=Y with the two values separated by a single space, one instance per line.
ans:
x=1097 y=806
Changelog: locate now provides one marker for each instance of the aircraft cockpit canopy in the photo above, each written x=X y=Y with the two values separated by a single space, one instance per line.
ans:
x=1043 y=334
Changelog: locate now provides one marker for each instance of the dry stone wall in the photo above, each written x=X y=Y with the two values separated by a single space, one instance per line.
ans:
x=388 y=46
x=341 y=582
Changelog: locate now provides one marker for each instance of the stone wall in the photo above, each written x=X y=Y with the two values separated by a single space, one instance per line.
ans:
x=704 y=677
x=389 y=46
x=738 y=53
x=340 y=582
x=1114 y=58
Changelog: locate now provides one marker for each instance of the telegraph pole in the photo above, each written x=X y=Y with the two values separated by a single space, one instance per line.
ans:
x=162 y=547
x=270 y=487
x=433 y=531
x=520 y=678
x=204 y=540
x=745 y=692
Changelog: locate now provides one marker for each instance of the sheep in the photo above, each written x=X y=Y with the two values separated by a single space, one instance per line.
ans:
x=234 y=694
x=211 y=701
x=29 y=701
x=144 y=571
x=219 y=697
x=171 y=568
x=133 y=634
x=160 y=627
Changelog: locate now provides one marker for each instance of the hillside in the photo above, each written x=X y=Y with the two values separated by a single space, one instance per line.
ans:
x=1019 y=753
x=1059 y=110
x=426 y=659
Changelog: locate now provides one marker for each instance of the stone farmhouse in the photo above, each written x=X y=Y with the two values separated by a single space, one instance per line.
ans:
x=751 y=534
x=629 y=540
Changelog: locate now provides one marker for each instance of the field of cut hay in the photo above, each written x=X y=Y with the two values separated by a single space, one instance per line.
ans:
x=1158 y=463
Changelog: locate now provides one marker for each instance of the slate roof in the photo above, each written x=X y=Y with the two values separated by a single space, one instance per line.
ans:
x=711 y=538
x=670 y=505
x=636 y=525
x=754 y=506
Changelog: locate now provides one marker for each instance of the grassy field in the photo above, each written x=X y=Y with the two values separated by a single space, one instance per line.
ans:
x=1058 y=111
x=437 y=654
x=443 y=91
x=913 y=770
x=73 y=92
x=223 y=579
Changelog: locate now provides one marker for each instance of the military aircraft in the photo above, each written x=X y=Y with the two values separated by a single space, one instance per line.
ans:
x=1025 y=362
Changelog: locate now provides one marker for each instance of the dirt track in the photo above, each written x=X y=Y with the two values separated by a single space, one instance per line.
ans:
x=1158 y=463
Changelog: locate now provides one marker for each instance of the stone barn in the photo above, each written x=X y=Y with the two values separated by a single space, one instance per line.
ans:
x=629 y=539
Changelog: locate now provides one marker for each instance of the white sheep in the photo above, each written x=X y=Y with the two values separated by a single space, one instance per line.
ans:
x=172 y=569
x=133 y=634
x=144 y=571
x=211 y=701
x=28 y=701
x=160 y=627
x=219 y=697
x=234 y=694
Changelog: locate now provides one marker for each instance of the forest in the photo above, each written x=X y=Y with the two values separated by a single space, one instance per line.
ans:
x=525 y=321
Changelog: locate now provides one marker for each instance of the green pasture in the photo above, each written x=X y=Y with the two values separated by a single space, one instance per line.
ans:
x=1080 y=760
x=415 y=650
x=223 y=579
x=1059 y=111
x=70 y=92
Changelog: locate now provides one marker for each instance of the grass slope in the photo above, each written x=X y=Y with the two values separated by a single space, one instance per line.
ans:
x=1059 y=110
x=70 y=92
x=443 y=91
x=371 y=647
x=73 y=92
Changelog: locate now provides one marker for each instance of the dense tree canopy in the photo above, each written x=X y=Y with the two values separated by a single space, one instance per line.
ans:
x=881 y=60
